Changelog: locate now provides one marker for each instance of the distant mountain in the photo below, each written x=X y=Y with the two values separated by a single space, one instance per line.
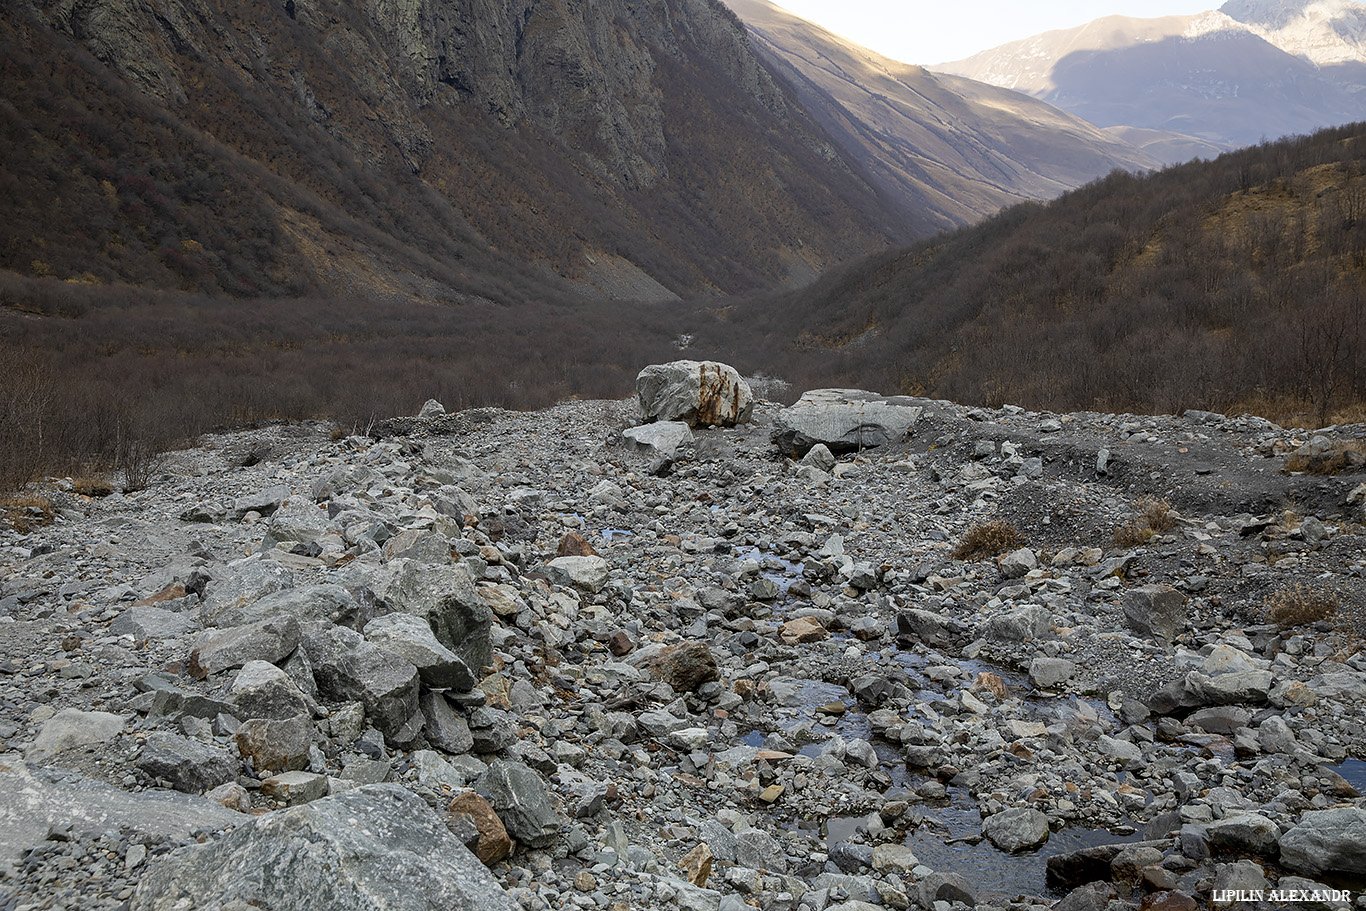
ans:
x=506 y=149
x=1181 y=86
x=952 y=148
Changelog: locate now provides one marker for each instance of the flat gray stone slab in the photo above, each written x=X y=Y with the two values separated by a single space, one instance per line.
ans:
x=33 y=799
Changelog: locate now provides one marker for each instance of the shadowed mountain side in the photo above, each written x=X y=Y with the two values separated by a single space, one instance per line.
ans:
x=954 y=149
x=497 y=148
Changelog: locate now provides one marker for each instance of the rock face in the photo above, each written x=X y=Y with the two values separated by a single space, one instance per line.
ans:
x=376 y=847
x=1327 y=841
x=845 y=420
x=697 y=393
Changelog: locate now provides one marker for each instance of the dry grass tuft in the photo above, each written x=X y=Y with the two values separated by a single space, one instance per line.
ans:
x=1301 y=604
x=1151 y=516
x=25 y=512
x=94 y=485
x=1343 y=457
x=988 y=539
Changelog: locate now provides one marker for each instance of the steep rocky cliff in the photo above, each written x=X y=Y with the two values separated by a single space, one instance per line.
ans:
x=420 y=146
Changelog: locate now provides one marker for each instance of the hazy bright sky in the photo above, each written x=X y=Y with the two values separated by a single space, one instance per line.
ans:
x=915 y=31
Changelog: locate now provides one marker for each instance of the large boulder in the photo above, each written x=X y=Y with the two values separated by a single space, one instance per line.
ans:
x=1156 y=611
x=1016 y=829
x=1327 y=840
x=377 y=847
x=845 y=420
x=698 y=393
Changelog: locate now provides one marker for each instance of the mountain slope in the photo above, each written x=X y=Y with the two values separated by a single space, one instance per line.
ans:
x=948 y=146
x=429 y=148
x=1255 y=69
x=1233 y=284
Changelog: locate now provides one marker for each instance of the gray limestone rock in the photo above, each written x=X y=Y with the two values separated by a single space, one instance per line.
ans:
x=696 y=393
x=1028 y=622
x=306 y=603
x=276 y=745
x=1156 y=611
x=346 y=667
x=519 y=797
x=219 y=650
x=587 y=573
x=1050 y=672
x=442 y=594
x=446 y=730
x=662 y=439
x=1016 y=829
x=71 y=728
x=189 y=765
x=845 y=420
x=1327 y=840
x=412 y=639
x=262 y=690
x=377 y=847
x=33 y=799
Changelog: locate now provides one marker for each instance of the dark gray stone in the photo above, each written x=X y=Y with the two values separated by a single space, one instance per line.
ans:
x=1156 y=611
x=519 y=797
x=446 y=730
x=377 y=847
x=189 y=765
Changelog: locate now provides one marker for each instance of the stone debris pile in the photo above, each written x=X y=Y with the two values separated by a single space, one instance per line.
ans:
x=570 y=660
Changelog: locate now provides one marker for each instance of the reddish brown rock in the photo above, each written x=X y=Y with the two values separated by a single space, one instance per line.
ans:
x=574 y=544
x=685 y=666
x=494 y=843
x=620 y=643
x=802 y=630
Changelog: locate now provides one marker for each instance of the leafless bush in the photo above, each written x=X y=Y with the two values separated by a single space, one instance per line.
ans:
x=1151 y=516
x=1301 y=604
x=988 y=539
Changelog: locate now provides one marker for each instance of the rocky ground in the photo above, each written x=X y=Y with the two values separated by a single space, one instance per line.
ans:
x=720 y=680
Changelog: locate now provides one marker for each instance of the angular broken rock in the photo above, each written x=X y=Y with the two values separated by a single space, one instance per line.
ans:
x=1156 y=611
x=845 y=420
x=378 y=847
x=802 y=630
x=71 y=728
x=659 y=440
x=411 y=639
x=276 y=746
x=519 y=797
x=348 y=668
x=262 y=690
x=1327 y=840
x=696 y=393
x=444 y=595
x=189 y=765
x=587 y=573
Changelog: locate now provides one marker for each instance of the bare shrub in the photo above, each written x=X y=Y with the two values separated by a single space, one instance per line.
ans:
x=92 y=485
x=1151 y=516
x=1301 y=605
x=25 y=512
x=1343 y=457
x=988 y=539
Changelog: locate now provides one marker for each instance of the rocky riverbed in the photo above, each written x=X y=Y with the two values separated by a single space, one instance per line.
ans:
x=504 y=660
